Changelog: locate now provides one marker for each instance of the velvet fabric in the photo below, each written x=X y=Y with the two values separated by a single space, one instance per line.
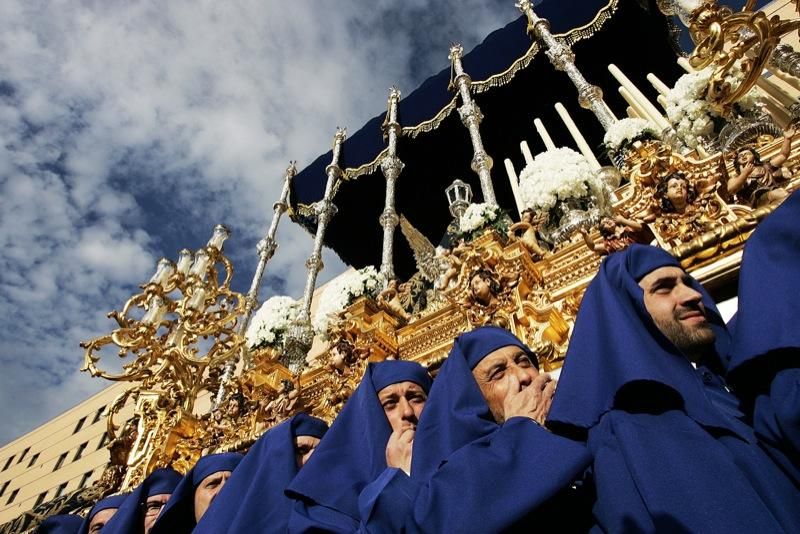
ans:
x=469 y=473
x=671 y=450
x=61 y=524
x=351 y=456
x=129 y=518
x=253 y=499
x=177 y=517
x=112 y=501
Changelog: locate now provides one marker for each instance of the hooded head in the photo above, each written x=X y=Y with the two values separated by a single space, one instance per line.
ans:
x=353 y=452
x=134 y=513
x=195 y=492
x=617 y=347
x=457 y=412
x=61 y=524
x=253 y=497
x=101 y=513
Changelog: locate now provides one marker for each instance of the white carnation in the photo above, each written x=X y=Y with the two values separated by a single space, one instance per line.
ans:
x=477 y=216
x=555 y=175
x=626 y=130
x=271 y=321
x=342 y=291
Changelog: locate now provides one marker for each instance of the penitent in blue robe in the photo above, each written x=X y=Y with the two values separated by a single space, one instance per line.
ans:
x=350 y=457
x=108 y=503
x=470 y=474
x=765 y=354
x=671 y=450
x=129 y=519
x=60 y=524
x=253 y=500
x=177 y=517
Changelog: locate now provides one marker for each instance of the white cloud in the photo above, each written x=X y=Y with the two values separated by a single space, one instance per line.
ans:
x=110 y=108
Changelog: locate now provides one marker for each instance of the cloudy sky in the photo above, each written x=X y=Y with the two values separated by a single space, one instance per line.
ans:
x=128 y=128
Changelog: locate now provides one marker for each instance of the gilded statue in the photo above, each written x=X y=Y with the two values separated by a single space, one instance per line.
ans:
x=454 y=259
x=758 y=183
x=343 y=356
x=284 y=404
x=525 y=232
x=618 y=233
x=389 y=299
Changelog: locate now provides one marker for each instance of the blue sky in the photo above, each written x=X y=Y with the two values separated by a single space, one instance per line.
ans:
x=129 y=128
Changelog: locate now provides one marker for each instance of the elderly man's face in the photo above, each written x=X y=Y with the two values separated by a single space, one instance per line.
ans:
x=402 y=403
x=677 y=310
x=493 y=375
x=303 y=449
x=152 y=507
x=100 y=519
x=207 y=490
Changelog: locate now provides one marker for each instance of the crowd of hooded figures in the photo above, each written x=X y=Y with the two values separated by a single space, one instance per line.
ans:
x=664 y=419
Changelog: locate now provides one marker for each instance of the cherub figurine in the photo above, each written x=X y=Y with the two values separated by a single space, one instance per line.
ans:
x=484 y=289
x=758 y=183
x=343 y=355
x=453 y=257
x=389 y=300
x=618 y=233
x=528 y=226
x=676 y=194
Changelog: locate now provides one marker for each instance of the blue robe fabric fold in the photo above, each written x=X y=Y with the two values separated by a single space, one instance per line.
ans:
x=112 y=501
x=672 y=451
x=60 y=524
x=470 y=474
x=177 y=517
x=130 y=516
x=253 y=499
x=350 y=456
x=765 y=355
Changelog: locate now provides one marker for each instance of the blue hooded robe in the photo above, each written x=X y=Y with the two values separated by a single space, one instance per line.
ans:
x=765 y=354
x=177 y=517
x=129 y=519
x=108 y=503
x=671 y=451
x=61 y=524
x=351 y=456
x=471 y=474
x=253 y=499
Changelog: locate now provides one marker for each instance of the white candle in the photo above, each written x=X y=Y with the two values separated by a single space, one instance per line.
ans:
x=198 y=300
x=650 y=110
x=512 y=177
x=635 y=104
x=201 y=260
x=684 y=64
x=659 y=86
x=662 y=101
x=632 y=113
x=548 y=142
x=583 y=146
x=163 y=272
x=526 y=152
x=155 y=311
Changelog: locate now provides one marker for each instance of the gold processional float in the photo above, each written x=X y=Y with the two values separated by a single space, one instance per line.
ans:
x=183 y=336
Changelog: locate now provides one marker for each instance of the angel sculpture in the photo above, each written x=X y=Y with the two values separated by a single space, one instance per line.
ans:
x=757 y=182
x=525 y=232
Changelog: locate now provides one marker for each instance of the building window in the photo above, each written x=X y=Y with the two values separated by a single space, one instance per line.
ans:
x=99 y=414
x=103 y=441
x=40 y=499
x=80 y=450
x=60 y=461
x=8 y=462
x=60 y=490
x=22 y=456
x=12 y=496
x=4 y=487
x=33 y=459
x=85 y=479
x=79 y=425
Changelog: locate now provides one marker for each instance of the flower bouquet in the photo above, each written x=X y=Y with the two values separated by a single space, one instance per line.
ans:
x=342 y=291
x=271 y=322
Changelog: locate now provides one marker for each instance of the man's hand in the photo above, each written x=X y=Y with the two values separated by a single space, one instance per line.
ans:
x=533 y=402
x=399 y=449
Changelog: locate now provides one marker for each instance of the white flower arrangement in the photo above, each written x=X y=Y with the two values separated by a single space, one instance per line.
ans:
x=477 y=216
x=557 y=175
x=626 y=131
x=342 y=291
x=271 y=321
x=691 y=114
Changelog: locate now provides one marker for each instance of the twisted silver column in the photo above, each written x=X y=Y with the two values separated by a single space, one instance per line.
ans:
x=471 y=116
x=391 y=166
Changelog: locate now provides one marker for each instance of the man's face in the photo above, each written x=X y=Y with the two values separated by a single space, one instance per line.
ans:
x=152 y=507
x=100 y=519
x=677 y=310
x=493 y=375
x=303 y=449
x=402 y=403
x=207 y=490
